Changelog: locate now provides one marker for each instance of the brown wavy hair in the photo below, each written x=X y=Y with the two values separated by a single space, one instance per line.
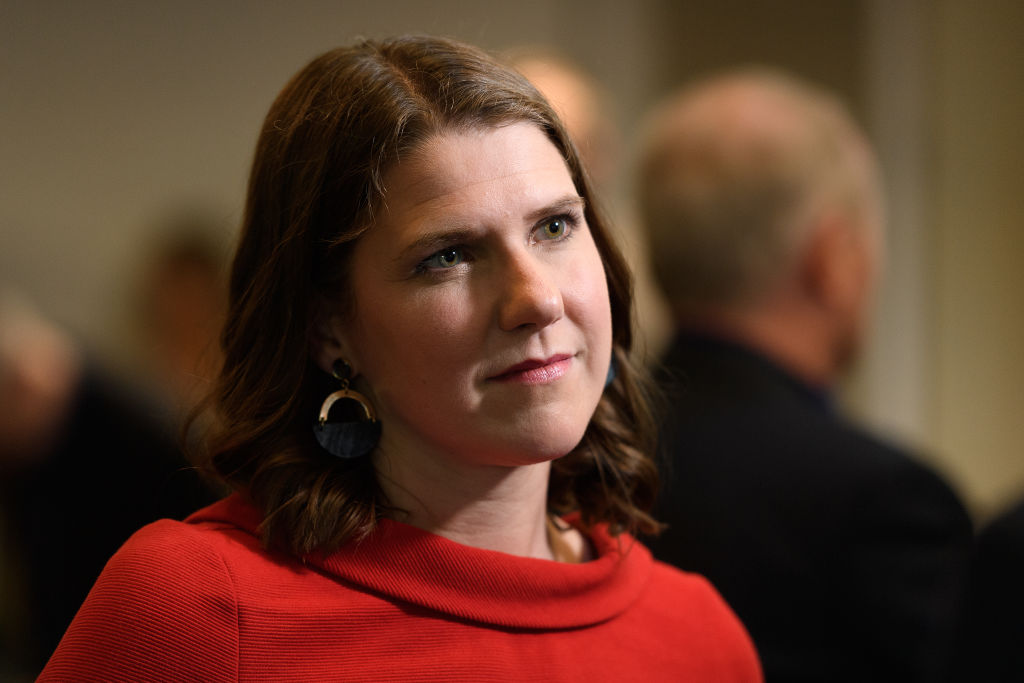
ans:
x=327 y=142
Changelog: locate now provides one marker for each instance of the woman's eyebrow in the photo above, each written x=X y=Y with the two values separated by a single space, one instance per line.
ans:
x=559 y=206
x=438 y=239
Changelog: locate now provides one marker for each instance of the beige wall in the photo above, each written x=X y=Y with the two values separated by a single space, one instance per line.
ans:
x=945 y=367
x=978 y=416
x=893 y=386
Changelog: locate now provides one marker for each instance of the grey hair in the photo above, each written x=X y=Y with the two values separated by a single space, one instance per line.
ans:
x=733 y=172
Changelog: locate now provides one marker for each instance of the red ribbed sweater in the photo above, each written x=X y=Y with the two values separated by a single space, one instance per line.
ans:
x=201 y=601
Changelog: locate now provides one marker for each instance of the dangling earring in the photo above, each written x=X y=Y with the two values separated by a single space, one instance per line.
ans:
x=347 y=439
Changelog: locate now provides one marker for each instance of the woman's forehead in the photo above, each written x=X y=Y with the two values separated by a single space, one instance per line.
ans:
x=472 y=164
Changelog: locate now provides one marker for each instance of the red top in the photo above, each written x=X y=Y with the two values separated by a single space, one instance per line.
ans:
x=200 y=600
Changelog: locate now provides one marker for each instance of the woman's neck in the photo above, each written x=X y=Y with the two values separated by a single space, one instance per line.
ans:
x=489 y=507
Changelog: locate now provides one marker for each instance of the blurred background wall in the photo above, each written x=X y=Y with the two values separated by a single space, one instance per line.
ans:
x=117 y=118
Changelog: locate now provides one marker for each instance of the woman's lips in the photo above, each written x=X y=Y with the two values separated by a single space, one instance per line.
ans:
x=534 y=371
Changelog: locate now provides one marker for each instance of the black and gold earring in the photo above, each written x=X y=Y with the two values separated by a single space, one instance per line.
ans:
x=348 y=438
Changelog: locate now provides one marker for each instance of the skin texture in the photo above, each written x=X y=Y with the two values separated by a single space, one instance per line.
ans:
x=482 y=332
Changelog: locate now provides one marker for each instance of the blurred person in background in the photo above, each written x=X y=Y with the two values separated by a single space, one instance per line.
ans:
x=84 y=462
x=179 y=310
x=584 y=107
x=992 y=645
x=844 y=555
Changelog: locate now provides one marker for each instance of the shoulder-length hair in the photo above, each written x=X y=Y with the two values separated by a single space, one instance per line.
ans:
x=317 y=179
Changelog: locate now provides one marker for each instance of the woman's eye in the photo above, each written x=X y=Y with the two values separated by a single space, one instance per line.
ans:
x=446 y=258
x=552 y=229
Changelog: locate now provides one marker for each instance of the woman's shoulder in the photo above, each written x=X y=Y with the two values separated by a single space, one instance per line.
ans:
x=666 y=591
x=168 y=589
x=683 y=587
x=175 y=553
x=679 y=619
x=688 y=605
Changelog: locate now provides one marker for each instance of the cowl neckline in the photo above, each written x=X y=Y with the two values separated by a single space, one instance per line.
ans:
x=409 y=565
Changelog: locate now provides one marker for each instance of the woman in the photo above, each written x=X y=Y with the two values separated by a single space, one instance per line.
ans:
x=420 y=247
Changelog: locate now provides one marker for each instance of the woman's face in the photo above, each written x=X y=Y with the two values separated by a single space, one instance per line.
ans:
x=482 y=326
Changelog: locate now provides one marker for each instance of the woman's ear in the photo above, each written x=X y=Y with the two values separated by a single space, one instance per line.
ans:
x=326 y=343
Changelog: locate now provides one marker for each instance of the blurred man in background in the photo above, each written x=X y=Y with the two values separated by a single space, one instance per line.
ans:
x=179 y=311
x=844 y=556
x=993 y=628
x=84 y=462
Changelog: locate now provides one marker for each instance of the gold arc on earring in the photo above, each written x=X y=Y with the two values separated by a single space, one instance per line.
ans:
x=344 y=393
x=348 y=438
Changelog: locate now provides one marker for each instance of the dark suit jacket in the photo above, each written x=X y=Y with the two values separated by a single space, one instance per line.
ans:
x=992 y=646
x=845 y=558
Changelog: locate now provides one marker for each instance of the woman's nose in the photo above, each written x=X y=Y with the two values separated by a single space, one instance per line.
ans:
x=531 y=295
